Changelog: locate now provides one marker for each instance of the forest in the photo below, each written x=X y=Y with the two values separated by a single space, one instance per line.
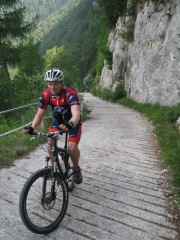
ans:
x=44 y=8
x=71 y=44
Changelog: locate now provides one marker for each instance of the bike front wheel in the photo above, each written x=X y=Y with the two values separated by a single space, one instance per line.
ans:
x=42 y=204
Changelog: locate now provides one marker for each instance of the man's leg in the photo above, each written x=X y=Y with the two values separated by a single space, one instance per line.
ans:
x=74 y=154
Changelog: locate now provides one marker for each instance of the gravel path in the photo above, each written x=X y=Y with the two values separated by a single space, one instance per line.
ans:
x=124 y=194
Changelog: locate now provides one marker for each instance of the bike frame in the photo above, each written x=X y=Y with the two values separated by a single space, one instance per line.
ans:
x=63 y=152
x=49 y=187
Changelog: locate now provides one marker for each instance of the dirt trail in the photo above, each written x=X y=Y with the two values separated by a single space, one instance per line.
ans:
x=124 y=194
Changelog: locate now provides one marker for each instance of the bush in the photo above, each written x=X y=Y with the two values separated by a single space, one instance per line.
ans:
x=95 y=91
x=173 y=114
x=108 y=94
x=119 y=92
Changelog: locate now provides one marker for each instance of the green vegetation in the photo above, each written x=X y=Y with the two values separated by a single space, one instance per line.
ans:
x=164 y=121
x=23 y=65
x=14 y=146
x=9 y=51
x=110 y=95
x=70 y=45
x=111 y=10
x=17 y=144
x=77 y=33
x=45 y=8
x=48 y=13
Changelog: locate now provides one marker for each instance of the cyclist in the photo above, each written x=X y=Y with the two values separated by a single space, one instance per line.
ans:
x=65 y=105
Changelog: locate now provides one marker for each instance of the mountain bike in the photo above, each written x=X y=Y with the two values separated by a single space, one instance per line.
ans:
x=44 y=196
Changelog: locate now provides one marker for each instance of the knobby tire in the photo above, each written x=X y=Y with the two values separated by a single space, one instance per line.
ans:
x=38 y=213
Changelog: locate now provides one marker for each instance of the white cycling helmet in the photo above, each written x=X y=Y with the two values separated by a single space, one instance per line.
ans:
x=54 y=74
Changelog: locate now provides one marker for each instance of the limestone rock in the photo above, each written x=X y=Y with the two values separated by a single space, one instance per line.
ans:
x=149 y=65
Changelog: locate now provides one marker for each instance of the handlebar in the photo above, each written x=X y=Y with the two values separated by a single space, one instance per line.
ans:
x=49 y=135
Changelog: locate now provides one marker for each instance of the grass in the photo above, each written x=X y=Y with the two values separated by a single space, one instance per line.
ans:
x=164 y=121
x=16 y=144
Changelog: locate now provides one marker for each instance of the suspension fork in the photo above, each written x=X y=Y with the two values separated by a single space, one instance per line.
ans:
x=53 y=195
x=54 y=169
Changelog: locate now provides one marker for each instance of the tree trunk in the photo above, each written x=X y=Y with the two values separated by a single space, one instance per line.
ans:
x=8 y=85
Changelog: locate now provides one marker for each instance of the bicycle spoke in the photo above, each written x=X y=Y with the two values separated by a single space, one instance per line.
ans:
x=42 y=210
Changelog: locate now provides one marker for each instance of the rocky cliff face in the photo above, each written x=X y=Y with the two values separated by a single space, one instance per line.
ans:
x=150 y=65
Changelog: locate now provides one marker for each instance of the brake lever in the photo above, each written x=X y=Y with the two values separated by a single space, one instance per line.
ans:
x=37 y=135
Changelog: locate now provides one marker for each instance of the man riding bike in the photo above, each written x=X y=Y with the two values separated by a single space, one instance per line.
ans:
x=65 y=105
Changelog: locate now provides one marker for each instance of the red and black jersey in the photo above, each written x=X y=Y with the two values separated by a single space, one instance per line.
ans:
x=67 y=98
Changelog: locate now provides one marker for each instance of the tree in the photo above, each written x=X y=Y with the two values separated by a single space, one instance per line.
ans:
x=77 y=32
x=12 y=28
x=31 y=60
x=52 y=55
x=111 y=10
x=28 y=82
x=61 y=57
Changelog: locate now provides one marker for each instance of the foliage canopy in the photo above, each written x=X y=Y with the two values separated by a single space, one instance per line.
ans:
x=12 y=27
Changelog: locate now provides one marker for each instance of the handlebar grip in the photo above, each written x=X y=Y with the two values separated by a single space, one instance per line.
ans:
x=30 y=130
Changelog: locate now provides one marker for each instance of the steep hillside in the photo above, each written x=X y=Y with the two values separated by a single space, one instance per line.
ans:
x=71 y=28
x=49 y=13
x=78 y=32
x=44 y=8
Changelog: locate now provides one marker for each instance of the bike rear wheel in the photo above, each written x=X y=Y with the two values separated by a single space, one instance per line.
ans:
x=41 y=210
x=70 y=180
x=66 y=167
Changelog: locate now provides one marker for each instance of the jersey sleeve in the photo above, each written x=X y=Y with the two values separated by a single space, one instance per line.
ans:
x=72 y=96
x=73 y=99
x=44 y=99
